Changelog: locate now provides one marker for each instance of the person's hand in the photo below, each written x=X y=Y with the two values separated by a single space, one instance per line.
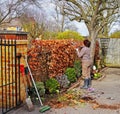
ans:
x=77 y=49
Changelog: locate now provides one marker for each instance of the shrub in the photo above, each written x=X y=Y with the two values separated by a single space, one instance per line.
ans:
x=52 y=85
x=41 y=90
x=69 y=35
x=70 y=72
x=115 y=34
x=97 y=75
x=63 y=81
x=78 y=68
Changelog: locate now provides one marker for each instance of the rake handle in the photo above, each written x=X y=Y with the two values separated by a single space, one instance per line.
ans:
x=33 y=81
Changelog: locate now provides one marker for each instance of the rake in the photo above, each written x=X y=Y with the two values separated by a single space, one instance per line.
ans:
x=43 y=108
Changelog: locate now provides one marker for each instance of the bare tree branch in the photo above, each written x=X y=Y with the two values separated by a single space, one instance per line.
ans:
x=14 y=8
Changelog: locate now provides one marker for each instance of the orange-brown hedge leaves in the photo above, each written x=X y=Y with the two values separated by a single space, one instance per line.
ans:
x=49 y=58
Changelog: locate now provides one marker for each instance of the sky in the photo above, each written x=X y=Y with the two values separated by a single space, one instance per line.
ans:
x=81 y=27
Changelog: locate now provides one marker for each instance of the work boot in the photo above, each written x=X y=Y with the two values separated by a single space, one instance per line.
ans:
x=89 y=82
x=85 y=86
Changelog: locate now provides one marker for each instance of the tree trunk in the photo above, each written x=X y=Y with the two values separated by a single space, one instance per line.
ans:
x=93 y=37
x=62 y=23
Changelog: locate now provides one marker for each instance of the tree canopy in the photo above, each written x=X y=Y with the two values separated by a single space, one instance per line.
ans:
x=96 y=14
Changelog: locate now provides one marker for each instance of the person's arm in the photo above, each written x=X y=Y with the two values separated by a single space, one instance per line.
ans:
x=80 y=53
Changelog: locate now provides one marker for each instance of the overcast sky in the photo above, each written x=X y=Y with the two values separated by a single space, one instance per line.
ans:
x=48 y=8
x=81 y=27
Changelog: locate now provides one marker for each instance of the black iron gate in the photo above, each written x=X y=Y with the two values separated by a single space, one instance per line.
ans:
x=9 y=76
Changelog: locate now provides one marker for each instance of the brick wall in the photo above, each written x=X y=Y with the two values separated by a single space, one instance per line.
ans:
x=21 y=48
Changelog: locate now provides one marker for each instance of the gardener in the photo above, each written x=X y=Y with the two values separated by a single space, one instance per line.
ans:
x=84 y=54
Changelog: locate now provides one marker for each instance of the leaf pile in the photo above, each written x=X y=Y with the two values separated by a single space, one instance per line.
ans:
x=70 y=98
x=50 y=58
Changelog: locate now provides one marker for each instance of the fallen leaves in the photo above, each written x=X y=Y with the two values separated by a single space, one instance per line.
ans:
x=70 y=98
x=105 y=106
x=82 y=101
x=75 y=98
x=95 y=106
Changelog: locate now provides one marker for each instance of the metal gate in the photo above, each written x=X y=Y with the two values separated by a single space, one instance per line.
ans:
x=9 y=76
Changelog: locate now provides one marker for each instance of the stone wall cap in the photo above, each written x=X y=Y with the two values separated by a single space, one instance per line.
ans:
x=13 y=32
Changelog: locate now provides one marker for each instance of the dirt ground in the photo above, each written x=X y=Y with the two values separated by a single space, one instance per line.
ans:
x=105 y=91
